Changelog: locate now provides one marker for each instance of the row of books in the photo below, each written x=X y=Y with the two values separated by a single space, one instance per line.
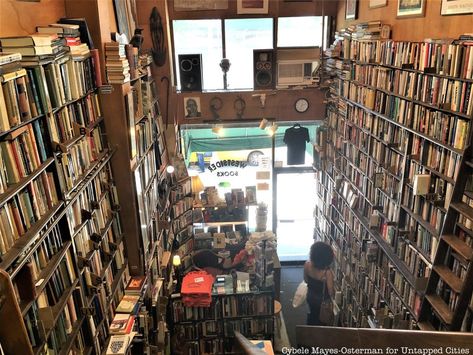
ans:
x=443 y=57
x=144 y=135
x=443 y=128
x=71 y=121
x=444 y=93
x=27 y=207
x=436 y=158
x=181 y=190
x=22 y=155
x=355 y=223
x=423 y=238
x=79 y=158
x=417 y=264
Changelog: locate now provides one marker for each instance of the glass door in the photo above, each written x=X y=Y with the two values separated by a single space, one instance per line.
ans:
x=295 y=203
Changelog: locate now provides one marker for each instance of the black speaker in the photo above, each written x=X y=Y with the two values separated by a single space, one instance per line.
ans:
x=263 y=70
x=190 y=70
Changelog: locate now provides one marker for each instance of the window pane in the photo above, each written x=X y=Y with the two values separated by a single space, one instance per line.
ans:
x=304 y=31
x=241 y=37
x=204 y=37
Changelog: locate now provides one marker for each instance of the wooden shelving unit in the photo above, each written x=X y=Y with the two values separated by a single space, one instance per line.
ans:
x=389 y=241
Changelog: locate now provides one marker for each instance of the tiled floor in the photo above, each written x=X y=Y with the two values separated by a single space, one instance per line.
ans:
x=291 y=276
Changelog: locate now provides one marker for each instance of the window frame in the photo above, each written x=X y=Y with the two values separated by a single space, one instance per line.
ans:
x=327 y=23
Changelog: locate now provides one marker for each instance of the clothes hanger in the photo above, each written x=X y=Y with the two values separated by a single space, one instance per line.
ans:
x=297 y=125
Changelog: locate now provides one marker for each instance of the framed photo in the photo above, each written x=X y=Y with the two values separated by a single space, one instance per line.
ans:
x=351 y=9
x=252 y=6
x=456 y=7
x=192 y=107
x=410 y=8
x=378 y=3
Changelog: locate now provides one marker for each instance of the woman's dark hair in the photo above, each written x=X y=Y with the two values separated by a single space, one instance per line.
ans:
x=321 y=255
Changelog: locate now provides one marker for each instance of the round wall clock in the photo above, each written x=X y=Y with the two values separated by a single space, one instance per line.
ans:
x=301 y=105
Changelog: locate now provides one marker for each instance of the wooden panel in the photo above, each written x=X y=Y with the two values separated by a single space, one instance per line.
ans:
x=441 y=308
x=459 y=246
x=277 y=8
x=13 y=337
x=433 y=25
x=21 y=18
x=449 y=277
x=337 y=338
x=279 y=105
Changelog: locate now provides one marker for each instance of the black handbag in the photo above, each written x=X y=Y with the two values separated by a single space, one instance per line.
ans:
x=326 y=315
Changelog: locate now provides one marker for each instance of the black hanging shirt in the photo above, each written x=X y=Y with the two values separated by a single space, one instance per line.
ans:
x=295 y=139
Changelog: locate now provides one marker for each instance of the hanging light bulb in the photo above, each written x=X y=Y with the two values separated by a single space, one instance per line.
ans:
x=272 y=130
x=263 y=123
x=170 y=169
x=218 y=130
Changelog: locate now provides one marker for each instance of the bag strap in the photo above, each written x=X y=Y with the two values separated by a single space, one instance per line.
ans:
x=324 y=286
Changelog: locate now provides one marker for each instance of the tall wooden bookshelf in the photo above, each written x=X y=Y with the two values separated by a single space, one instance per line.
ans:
x=397 y=112
x=60 y=227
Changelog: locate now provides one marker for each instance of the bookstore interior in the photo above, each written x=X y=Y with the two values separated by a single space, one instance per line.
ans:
x=163 y=161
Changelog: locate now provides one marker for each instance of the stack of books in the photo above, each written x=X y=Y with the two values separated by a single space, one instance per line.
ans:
x=116 y=63
x=371 y=30
x=9 y=62
x=71 y=35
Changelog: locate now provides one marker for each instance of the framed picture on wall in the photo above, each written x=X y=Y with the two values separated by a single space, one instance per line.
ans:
x=410 y=8
x=351 y=7
x=252 y=6
x=192 y=107
x=378 y=3
x=456 y=7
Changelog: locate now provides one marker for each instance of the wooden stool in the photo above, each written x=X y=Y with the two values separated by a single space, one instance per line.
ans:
x=277 y=315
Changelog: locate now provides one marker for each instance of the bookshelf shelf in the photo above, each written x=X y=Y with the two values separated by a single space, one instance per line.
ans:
x=459 y=246
x=28 y=238
x=14 y=189
x=435 y=172
x=56 y=311
x=463 y=208
x=414 y=71
x=410 y=99
x=116 y=280
x=72 y=336
x=449 y=277
x=101 y=160
x=46 y=274
x=426 y=256
x=5 y=134
x=441 y=308
x=433 y=140
x=421 y=221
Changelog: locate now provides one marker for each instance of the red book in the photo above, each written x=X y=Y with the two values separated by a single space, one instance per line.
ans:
x=96 y=61
x=135 y=286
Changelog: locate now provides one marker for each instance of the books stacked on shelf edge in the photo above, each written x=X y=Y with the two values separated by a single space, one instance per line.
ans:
x=116 y=63
x=136 y=285
x=122 y=324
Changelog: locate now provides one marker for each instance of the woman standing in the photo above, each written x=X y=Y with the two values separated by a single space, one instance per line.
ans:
x=319 y=279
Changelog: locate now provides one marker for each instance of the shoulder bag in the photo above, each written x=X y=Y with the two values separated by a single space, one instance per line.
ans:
x=326 y=308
